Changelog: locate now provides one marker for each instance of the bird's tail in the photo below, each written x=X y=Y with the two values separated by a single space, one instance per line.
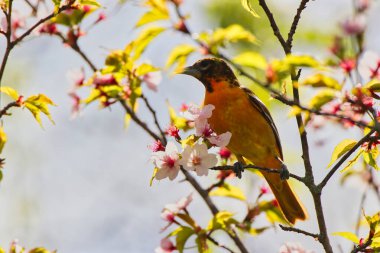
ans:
x=289 y=203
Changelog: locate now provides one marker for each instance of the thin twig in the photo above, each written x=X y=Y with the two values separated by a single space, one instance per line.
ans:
x=344 y=158
x=215 y=242
x=251 y=166
x=154 y=114
x=294 y=25
x=300 y=231
x=7 y=107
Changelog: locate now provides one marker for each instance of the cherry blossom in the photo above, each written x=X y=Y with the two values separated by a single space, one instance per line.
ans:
x=157 y=146
x=167 y=162
x=76 y=77
x=221 y=140
x=354 y=25
x=224 y=153
x=198 y=159
x=199 y=115
x=152 y=80
x=166 y=246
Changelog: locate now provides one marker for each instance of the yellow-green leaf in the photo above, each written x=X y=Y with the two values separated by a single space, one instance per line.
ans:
x=319 y=80
x=152 y=16
x=232 y=33
x=39 y=250
x=373 y=85
x=182 y=235
x=152 y=178
x=37 y=104
x=3 y=139
x=227 y=190
x=175 y=120
x=342 y=148
x=10 y=92
x=369 y=157
x=142 y=41
x=352 y=162
x=349 y=236
x=251 y=59
x=145 y=68
x=221 y=220
x=179 y=56
x=301 y=61
x=321 y=98
x=247 y=5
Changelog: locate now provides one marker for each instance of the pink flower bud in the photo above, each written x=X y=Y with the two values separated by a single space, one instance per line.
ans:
x=348 y=65
x=224 y=153
x=157 y=146
x=173 y=131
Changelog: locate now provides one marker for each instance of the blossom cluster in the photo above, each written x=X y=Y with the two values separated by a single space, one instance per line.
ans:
x=195 y=156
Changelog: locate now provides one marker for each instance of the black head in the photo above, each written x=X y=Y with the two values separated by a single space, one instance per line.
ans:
x=211 y=69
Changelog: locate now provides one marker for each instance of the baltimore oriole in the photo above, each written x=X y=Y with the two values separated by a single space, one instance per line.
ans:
x=254 y=134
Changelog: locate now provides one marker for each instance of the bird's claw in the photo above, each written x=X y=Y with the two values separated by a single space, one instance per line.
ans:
x=284 y=172
x=238 y=169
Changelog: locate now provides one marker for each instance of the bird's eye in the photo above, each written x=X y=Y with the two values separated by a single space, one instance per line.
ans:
x=204 y=65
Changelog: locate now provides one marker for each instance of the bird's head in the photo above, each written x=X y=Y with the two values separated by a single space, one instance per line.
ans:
x=211 y=72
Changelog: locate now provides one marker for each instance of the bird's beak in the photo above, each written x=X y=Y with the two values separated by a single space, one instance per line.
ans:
x=191 y=71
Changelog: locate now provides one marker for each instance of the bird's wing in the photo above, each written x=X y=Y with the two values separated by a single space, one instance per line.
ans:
x=256 y=102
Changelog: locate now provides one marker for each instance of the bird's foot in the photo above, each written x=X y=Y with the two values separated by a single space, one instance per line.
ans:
x=284 y=172
x=238 y=169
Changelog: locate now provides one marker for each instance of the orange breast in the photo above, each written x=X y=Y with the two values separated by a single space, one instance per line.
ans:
x=252 y=136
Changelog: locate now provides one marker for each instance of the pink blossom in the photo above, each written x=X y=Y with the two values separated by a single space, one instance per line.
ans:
x=198 y=159
x=102 y=80
x=348 y=65
x=354 y=25
x=48 y=28
x=152 y=80
x=264 y=189
x=184 y=202
x=166 y=246
x=168 y=215
x=221 y=140
x=173 y=131
x=75 y=109
x=203 y=130
x=362 y=5
x=17 y=22
x=184 y=107
x=369 y=65
x=102 y=16
x=199 y=116
x=168 y=162
x=291 y=247
x=157 y=146
x=76 y=77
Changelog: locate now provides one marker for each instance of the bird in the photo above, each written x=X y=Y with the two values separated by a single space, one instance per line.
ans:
x=254 y=135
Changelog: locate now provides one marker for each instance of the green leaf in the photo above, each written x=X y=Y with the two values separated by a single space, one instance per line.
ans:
x=37 y=104
x=10 y=92
x=373 y=222
x=247 y=5
x=369 y=157
x=187 y=218
x=321 y=98
x=230 y=191
x=320 y=80
x=179 y=56
x=251 y=59
x=342 y=148
x=3 y=139
x=182 y=235
x=143 y=40
x=349 y=236
x=257 y=231
x=201 y=242
x=1 y=249
x=301 y=61
x=152 y=16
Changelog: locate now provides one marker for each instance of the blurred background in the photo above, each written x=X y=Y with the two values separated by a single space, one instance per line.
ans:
x=82 y=185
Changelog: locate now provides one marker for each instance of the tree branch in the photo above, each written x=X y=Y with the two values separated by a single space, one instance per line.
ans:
x=300 y=231
x=7 y=107
x=154 y=114
x=294 y=25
